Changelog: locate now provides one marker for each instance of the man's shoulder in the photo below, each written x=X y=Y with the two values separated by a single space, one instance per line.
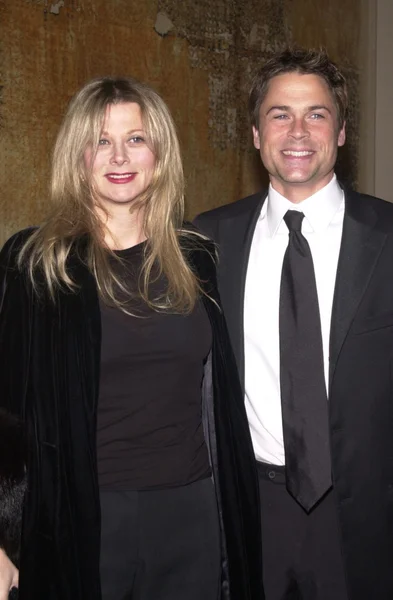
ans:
x=229 y=218
x=367 y=197
x=244 y=205
x=362 y=203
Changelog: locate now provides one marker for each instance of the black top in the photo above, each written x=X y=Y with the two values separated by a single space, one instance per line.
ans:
x=49 y=376
x=149 y=430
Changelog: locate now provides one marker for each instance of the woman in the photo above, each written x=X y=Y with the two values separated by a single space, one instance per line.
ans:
x=114 y=353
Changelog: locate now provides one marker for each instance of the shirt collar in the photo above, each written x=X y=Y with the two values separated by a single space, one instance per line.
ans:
x=319 y=209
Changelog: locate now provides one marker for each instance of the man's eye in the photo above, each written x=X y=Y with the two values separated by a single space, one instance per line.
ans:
x=281 y=117
x=317 y=116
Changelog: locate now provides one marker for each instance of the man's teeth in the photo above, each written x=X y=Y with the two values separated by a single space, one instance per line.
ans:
x=294 y=153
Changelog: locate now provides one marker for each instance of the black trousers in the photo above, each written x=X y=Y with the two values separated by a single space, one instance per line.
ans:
x=301 y=552
x=160 y=544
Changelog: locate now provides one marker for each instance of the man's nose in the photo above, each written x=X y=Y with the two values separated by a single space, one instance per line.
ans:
x=298 y=129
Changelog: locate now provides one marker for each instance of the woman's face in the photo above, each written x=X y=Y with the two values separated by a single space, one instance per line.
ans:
x=123 y=166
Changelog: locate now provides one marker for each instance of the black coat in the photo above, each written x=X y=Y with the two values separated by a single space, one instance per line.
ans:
x=360 y=373
x=49 y=376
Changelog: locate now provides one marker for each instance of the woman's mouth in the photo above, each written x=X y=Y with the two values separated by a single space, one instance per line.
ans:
x=120 y=177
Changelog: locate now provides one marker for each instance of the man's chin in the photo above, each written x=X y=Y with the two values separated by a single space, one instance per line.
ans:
x=297 y=178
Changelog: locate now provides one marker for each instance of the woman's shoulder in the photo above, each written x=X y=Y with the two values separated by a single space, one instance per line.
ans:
x=14 y=244
x=13 y=281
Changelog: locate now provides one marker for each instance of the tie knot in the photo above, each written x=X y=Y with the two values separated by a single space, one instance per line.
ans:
x=293 y=220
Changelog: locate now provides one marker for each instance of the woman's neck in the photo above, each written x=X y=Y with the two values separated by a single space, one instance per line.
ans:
x=123 y=229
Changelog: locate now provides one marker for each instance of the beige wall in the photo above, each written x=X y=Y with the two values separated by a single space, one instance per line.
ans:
x=367 y=90
x=376 y=89
x=384 y=100
x=199 y=54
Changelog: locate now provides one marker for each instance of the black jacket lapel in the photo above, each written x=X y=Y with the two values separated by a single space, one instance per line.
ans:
x=235 y=237
x=361 y=245
x=82 y=309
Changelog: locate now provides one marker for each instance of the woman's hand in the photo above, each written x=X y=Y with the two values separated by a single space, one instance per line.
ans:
x=9 y=575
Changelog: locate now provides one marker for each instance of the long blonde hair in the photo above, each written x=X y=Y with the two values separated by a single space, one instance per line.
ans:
x=74 y=213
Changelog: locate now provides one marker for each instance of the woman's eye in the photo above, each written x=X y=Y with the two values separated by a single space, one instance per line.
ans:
x=136 y=139
x=102 y=141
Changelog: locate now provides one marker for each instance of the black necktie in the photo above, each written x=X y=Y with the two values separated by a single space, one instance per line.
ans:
x=303 y=388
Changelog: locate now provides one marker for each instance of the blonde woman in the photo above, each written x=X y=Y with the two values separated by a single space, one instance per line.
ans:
x=115 y=355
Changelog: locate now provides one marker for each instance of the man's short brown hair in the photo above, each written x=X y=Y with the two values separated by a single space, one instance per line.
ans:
x=304 y=62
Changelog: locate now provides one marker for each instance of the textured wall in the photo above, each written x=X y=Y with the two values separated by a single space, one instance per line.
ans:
x=198 y=54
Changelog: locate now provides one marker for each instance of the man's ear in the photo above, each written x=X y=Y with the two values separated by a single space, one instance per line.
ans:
x=342 y=136
x=256 y=138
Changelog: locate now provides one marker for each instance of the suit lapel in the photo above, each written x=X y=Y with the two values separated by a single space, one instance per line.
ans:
x=361 y=245
x=237 y=231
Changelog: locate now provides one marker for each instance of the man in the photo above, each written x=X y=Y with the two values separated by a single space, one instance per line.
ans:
x=306 y=287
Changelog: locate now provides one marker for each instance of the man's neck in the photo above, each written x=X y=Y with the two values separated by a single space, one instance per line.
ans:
x=297 y=193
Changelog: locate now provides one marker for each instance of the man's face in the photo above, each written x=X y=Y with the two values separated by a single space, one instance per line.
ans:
x=298 y=134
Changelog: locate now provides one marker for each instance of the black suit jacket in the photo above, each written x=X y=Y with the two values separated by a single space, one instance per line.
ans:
x=49 y=376
x=360 y=373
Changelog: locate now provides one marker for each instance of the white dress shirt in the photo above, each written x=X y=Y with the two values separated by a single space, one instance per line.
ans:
x=322 y=227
